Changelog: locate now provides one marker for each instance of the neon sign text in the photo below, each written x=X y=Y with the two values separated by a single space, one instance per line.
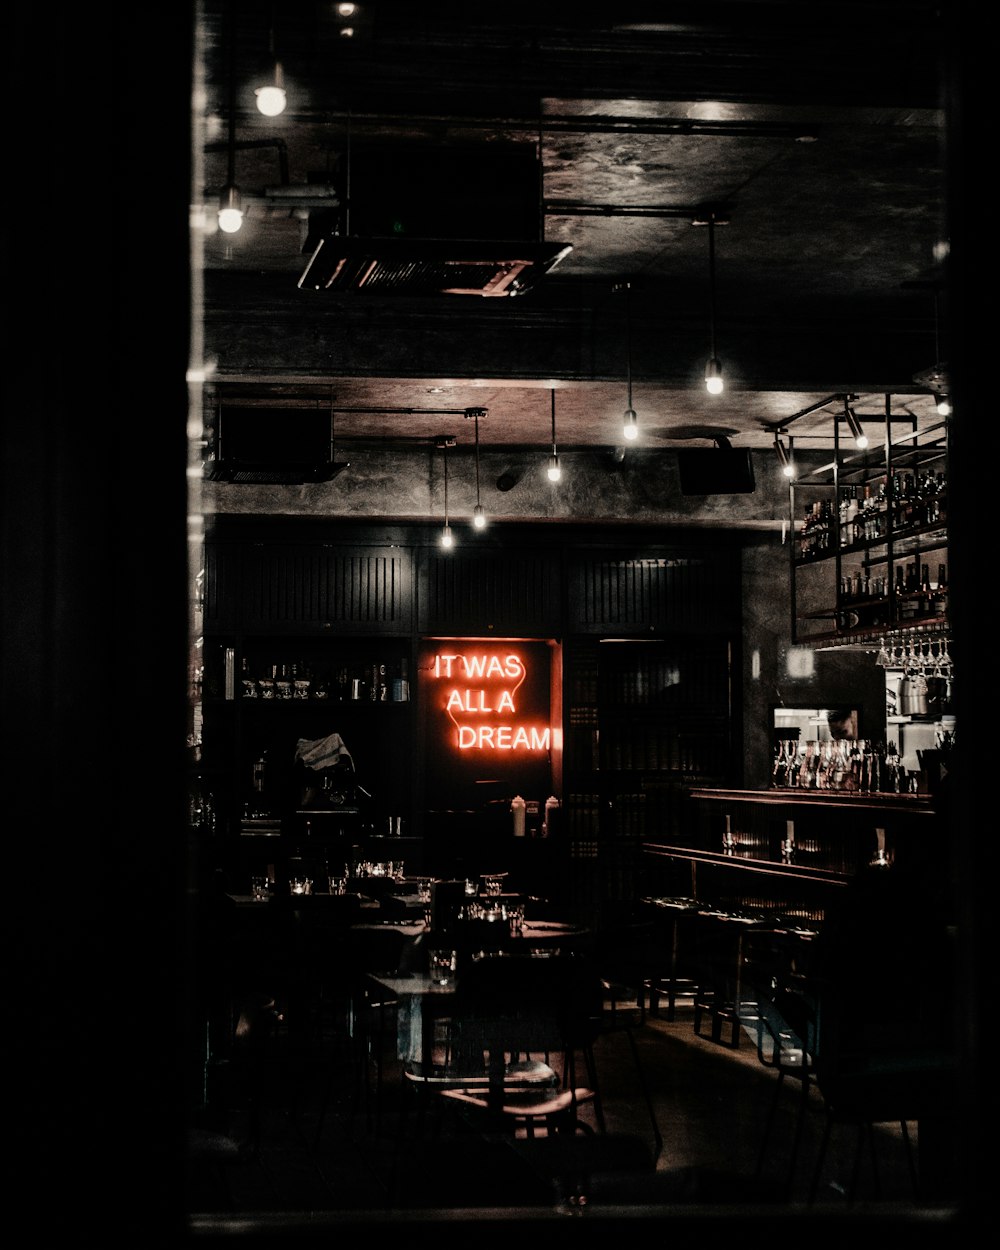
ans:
x=481 y=685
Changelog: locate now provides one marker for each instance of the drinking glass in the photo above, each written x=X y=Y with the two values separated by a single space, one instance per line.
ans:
x=259 y=889
x=441 y=965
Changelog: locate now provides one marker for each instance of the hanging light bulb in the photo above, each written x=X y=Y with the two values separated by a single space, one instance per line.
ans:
x=713 y=369
x=230 y=210
x=630 y=422
x=943 y=406
x=271 y=99
x=447 y=538
x=713 y=377
x=787 y=466
x=478 y=515
x=554 y=470
x=854 y=425
x=230 y=204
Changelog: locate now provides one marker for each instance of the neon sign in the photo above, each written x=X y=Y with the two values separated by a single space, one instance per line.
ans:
x=479 y=698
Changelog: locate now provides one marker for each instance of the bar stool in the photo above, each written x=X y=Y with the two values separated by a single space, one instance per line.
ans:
x=675 y=916
x=721 y=953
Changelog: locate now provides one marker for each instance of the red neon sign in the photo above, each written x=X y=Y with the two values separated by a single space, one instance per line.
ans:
x=479 y=698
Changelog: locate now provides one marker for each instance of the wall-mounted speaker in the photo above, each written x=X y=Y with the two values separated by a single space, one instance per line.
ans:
x=272 y=446
x=715 y=471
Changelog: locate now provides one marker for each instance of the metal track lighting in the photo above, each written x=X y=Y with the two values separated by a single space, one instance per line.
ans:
x=554 y=470
x=787 y=466
x=854 y=425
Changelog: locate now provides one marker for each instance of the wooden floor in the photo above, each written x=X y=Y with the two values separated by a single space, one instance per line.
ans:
x=711 y=1103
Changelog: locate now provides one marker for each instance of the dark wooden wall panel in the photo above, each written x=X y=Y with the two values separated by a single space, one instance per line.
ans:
x=668 y=592
x=511 y=592
x=363 y=590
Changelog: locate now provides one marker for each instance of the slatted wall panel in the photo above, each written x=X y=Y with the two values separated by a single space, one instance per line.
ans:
x=368 y=590
x=221 y=588
x=508 y=593
x=667 y=592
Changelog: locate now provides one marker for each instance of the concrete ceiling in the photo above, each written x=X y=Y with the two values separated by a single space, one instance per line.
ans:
x=814 y=133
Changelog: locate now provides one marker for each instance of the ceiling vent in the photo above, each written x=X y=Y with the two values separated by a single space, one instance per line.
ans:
x=428 y=266
x=433 y=219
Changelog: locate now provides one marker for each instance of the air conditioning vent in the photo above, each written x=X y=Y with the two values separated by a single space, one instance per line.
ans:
x=428 y=266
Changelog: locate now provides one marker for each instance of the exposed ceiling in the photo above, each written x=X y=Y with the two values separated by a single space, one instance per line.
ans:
x=813 y=132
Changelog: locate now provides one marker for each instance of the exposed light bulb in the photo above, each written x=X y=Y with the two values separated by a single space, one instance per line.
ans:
x=943 y=406
x=447 y=538
x=479 y=517
x=271 y=100
x=630 y=429
x=230 y=210
x=554 y=471
x=713 y=377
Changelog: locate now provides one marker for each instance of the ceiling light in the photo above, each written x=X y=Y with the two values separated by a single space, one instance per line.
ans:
x=713 y=377
x=478 y=515
x=230 y=204
x=943 y=406
x=554 y=471
x=630 y=423
x=230 y=210
x=713 y=369
x=271 y=99
x=787 y=466
x=854 y=425
x=447 y=538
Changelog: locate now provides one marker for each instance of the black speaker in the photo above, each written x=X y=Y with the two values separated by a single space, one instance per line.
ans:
x=272 y=446
x=715 y=471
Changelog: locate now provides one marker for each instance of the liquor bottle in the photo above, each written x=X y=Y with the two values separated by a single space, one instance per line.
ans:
x=939 y=603
x=899 y=593
x=926 y=593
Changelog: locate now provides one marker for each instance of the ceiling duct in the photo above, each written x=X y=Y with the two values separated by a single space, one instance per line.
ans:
x=427 y=266
x=433 y=220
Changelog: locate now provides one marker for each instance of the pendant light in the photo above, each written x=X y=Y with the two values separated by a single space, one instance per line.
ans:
x=447 y=538
x=630 y=425
x=478 y=515
x=554 y=470
x=936 y=377
x=230 y=203
x=271 y=98
x=943 y=403
x=714 y=383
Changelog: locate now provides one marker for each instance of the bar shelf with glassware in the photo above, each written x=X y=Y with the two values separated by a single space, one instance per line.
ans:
x=871 y=551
